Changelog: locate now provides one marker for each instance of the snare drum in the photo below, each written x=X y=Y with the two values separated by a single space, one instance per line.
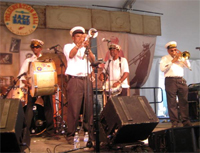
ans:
x=113 y=91
x=43 y=78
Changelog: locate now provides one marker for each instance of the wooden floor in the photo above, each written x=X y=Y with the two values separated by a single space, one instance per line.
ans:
x=58 y=143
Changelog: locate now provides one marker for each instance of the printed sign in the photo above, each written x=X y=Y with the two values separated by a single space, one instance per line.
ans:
x=21 y=19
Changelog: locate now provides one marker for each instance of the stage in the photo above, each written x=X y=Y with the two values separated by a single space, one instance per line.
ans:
x=58 y=143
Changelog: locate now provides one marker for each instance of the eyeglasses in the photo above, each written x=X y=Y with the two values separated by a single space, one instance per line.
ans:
x=32 y=46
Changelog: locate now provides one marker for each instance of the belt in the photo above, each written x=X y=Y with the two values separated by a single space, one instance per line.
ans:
x=174 y=77
x=78 y=77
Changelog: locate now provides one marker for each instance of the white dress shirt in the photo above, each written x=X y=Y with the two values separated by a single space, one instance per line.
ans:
x=173 y=69
x=76 y=66
x=116 y=72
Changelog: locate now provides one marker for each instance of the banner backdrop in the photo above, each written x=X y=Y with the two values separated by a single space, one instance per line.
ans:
x=141 y=52
x=138 y=50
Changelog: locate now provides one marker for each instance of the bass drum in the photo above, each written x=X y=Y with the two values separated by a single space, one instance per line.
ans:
x=38 y=124
x=43 y=77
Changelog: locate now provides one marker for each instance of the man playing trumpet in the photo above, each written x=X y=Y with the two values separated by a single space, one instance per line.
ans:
x=175 y=85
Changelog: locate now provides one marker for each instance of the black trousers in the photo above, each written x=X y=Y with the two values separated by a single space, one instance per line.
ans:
x=77 y=89
x=176 y=86
x=48 y=112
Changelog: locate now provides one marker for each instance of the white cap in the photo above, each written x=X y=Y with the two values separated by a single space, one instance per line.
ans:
x=77 y=29
x=37 y=42
x=171 y=44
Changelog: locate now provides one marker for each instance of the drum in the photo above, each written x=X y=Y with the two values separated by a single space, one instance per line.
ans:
x=113 y=91
x=43 y=78
x=17 y=93
x=38 y=123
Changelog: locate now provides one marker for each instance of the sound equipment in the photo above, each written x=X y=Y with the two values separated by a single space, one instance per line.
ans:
x=13 y=132
x=127 y=119
x=181 y=139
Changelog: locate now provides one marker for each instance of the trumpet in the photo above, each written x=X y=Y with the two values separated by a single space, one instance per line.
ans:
x=185 y=55
x=92 y=33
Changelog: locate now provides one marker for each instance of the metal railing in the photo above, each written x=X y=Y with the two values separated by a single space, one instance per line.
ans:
x=154 y=93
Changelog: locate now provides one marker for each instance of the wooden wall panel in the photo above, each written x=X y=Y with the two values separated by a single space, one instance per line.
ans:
x=41 y=11
x=152 y=25
x=67 y=17
x=136 y=22
x=101 y=20
x=120 y=21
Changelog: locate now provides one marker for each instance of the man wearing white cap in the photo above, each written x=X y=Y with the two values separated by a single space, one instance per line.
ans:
x=175 y=85
x=117 y=69
x=79 y=60
x=36 y=47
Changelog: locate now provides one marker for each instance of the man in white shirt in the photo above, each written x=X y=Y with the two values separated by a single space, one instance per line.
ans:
x=116 y=70
x=36 y=47
x=79 y=87
x=175 y=85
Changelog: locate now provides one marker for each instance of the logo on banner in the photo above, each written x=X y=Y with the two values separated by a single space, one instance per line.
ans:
x=21 y=19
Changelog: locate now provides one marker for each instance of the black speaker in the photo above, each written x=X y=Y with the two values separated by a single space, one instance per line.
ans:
x=127 y=119
x=181 y=139
x=13 y=132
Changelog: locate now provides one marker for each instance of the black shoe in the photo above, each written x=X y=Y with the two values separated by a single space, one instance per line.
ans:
x=187 y=123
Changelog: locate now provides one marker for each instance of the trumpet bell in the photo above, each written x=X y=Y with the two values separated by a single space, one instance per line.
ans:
x=93 y=33
x=186 y=55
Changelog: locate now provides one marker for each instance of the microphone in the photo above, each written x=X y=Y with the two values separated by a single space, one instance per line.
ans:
x=21 y=75
x=53 y=47
x=105 y=40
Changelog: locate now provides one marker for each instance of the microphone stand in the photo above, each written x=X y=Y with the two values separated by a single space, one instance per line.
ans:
x=10 y=87
x=62 y=87
x=96 y=112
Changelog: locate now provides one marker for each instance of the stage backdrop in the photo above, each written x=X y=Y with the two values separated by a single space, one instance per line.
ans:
x=138 y=50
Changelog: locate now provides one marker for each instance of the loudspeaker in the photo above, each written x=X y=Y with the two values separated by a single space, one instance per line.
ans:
x=13 y=132
x=181 y=139
x=127 y=119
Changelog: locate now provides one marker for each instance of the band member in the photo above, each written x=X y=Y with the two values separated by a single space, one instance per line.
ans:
x=117 y=69
x=36 y=47
x=78 y=91
x=175 y=85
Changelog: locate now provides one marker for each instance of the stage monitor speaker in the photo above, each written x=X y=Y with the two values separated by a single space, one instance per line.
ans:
x=127 y=119
x=180 y=139
x=13 y=132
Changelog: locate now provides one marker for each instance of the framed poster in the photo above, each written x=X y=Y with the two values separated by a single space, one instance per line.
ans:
x=15 y=45
x=5 y=58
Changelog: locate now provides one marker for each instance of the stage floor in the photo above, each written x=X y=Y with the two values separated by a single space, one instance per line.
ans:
x=58 y=143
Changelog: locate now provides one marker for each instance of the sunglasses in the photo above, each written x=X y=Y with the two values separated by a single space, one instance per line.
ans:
x=35 y=46
x=111 y=48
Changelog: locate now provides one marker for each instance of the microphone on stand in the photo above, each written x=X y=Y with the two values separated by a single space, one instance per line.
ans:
x=21 y=75
x=105 y=40
x=53 y=47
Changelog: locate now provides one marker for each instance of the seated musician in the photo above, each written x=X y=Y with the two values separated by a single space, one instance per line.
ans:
x=117 y=69
x=36 y=47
